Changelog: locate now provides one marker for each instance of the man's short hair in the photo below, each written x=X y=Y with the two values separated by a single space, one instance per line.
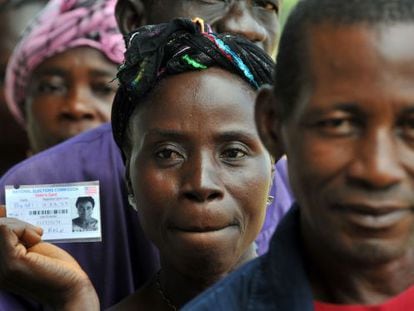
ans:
x=291 y=74
x=85 y=200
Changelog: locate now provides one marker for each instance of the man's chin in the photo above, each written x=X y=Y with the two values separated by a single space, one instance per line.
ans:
x=375 y=251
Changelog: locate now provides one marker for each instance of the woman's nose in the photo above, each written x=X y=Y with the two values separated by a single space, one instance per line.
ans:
x=202 y=182
x=79 y=105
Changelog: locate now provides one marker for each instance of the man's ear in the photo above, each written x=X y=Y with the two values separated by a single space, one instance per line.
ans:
x=268 y=121
x=130 y=14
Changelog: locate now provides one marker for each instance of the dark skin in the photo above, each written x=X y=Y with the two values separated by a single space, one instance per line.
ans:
x=15 y=144
x=131 y=14
x=67 y=96
x=200 y=190
x=350 y=145
x=257 y=20
x=60 y=282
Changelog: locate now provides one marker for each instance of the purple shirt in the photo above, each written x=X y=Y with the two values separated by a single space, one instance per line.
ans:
x=124 y=259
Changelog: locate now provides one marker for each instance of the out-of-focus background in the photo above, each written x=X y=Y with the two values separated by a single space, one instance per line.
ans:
x=286 y=7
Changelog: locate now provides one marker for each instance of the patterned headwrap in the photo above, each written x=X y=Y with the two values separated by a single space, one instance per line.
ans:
x=63 y=24
x=156 y=51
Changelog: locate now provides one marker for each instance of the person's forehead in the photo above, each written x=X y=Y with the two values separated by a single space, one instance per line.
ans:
x=379 y=66
x=164 y=10
x=84 y=204
x=74 y=58
x=347 y=49
x=180 y=94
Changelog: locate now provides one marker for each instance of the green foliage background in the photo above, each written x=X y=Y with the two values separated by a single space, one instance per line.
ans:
x=287 y=6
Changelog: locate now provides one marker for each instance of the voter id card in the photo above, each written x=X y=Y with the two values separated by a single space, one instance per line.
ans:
x=66 y=212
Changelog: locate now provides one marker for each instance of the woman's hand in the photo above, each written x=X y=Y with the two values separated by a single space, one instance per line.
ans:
x=41 y=270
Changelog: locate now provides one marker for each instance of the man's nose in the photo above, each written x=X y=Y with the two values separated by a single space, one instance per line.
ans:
x=239 y=20
x=202 y=181
x=79 y=105
x=377 y=164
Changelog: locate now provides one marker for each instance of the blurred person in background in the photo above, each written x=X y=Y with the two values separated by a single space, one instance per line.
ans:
x=58 y=80
x=59 y=85
x=14 y=16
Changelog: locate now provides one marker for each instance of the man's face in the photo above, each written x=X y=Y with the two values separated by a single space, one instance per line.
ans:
x=85 y=210
x=350 y=142
x=257 y=20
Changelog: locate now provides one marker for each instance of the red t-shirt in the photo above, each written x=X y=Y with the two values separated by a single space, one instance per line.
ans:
x=402 y=302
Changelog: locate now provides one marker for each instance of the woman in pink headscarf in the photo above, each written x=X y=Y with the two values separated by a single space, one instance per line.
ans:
x=58 y=82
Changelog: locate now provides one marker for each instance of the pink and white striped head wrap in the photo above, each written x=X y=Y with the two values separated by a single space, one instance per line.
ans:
x=63 y=24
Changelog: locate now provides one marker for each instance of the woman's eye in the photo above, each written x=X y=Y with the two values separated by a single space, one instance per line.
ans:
x=48 y=87
x=234 y=154
x=104 y=89
x=169 y=155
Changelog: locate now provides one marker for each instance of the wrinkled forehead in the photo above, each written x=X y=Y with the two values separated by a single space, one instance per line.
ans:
x=349 y=50
x=357 y=63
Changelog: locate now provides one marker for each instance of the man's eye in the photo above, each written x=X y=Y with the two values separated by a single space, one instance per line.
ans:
x=407 y=128
x=267 y=5
x=336 y=126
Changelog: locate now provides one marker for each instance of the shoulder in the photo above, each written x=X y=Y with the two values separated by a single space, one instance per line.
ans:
x=80 y=158
x=233 y=292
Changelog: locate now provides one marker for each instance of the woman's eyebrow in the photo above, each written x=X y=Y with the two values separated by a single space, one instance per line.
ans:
x=102 y=72
x=51 y=71
x=230 y=135
x=165 y=133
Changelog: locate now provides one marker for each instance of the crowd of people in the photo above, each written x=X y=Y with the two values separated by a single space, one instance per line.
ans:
x=228 y=180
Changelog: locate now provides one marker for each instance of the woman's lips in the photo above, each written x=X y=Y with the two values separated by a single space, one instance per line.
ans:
x=201 y=238
x=201 y=229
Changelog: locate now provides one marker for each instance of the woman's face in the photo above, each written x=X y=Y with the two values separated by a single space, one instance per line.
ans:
x=69 y=93
x=198 y=170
